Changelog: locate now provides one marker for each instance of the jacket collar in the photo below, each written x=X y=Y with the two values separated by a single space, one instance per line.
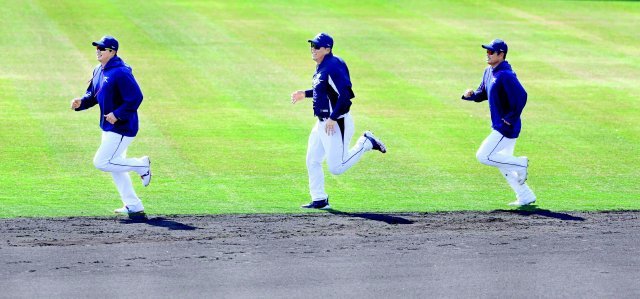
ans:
x=503 y=66
x=325 y=59
x=115 y=61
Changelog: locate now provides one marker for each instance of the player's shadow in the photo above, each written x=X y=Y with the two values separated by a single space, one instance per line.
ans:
x=373 y=216
x=534 y=210
x=161 y=222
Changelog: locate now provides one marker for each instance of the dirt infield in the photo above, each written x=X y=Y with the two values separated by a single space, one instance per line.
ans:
x=512 y=253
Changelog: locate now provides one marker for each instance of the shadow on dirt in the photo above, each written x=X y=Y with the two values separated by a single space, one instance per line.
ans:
x=161 y=222
x=534 y=210
x=373 y=216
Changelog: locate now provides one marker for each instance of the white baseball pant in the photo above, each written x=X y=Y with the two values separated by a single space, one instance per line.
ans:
x=497 y=151
x=111 y=157
x=333 y=148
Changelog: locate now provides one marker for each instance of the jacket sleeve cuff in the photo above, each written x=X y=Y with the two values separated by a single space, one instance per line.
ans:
x=308 y=93
x=471 y=98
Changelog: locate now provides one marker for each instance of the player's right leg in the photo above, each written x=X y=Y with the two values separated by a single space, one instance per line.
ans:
x=524 y=194
x=315 y=156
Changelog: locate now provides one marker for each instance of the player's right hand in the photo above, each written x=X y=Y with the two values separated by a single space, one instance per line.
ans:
x=297 y=96
x=75 y=103
x=468 y=93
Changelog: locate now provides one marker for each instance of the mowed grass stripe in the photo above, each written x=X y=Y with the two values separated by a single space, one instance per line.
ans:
x=27 y=161
x=37 y=85
x=217 y=76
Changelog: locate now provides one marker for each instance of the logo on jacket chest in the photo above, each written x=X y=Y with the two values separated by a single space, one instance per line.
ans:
x=317 y=80
x=102 y=82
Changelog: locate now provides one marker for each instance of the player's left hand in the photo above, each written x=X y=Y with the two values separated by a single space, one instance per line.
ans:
x=329 y=127
x=111 y=118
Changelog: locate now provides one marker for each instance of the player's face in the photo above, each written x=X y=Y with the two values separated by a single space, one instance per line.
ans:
x=318 y=53
x=104 y=55
x=494 y=58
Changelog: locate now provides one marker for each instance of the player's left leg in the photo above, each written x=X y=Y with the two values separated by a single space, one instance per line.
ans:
x=339 y=156
x=491 y=153
x=123 y=183
x=524 y=194
x=109 y=156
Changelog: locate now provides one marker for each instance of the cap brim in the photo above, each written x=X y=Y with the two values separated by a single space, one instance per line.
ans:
x=319 y=45
x=488 y=47
x=95 y=44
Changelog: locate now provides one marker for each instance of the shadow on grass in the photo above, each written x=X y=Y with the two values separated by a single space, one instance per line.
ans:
x=373 y=216
x=534 y=210
x=160 y=222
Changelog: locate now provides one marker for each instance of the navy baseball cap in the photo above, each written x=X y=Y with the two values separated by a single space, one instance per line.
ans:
x=108 y=42
x=322 y=40
x=497 y=45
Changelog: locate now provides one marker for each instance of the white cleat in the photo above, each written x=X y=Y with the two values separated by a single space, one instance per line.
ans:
x=133 y=215
x=146 y=178
x=524 y=201
x=523 y=173
x=126 y=210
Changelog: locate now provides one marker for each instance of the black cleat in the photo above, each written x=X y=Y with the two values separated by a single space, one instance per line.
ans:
x=318 y=204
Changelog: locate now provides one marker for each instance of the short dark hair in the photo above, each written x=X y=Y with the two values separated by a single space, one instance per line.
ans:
x=505 y=54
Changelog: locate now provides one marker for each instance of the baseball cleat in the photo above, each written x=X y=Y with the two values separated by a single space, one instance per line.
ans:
x=138 y=216
x=318 y=204
x=375 y=142
x=134 y=215
x=524 y=201
x=146 y=178
x=523 y=173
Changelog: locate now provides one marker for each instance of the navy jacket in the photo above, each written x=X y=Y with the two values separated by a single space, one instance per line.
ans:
x=115 y=90
x=506 y=96
x=331 y=91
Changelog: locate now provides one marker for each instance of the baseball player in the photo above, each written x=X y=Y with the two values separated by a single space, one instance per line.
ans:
x=507 y=99
x=116 y=91
x=331 y=135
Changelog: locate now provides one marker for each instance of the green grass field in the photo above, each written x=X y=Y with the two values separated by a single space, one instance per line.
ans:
x=224 y=138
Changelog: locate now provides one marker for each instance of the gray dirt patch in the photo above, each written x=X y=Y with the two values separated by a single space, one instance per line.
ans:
x=507 y=253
